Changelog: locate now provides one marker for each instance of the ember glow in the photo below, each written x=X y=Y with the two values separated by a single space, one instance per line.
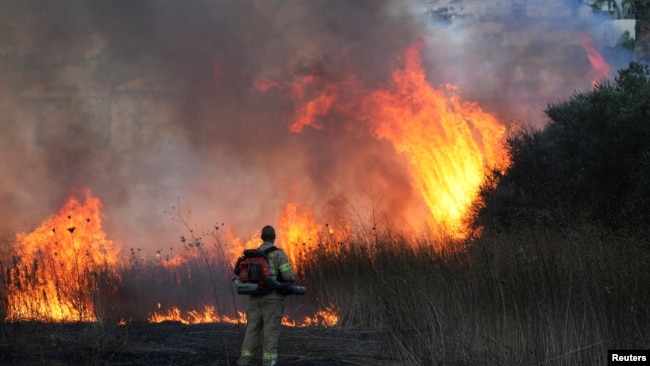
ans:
x=63 y=267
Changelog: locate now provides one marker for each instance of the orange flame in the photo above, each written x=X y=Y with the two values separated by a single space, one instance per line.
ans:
x=57 y=274
x=327 y=317
x=299 y=229
x=65 y=269
x=236 y=245
x=600 y=67
x=307 y=114
x=265 y=84
x=208 y=315
x=449 y=143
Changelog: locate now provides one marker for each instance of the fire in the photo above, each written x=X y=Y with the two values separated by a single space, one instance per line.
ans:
x=62 y=266
x=237 y=245
x=307 y=113
x=66 y=270
x=327 y=317
x=299 y=228
x=174 y=262
x=449 y=143
x=208 y=315
x=265 y=84
x=600 y=67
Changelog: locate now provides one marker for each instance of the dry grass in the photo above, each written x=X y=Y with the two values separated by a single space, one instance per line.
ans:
x=536 y=297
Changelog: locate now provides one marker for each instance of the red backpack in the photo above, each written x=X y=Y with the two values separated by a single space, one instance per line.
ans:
x=254 y=274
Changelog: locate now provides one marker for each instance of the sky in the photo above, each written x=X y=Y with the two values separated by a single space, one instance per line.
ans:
x=157 y=107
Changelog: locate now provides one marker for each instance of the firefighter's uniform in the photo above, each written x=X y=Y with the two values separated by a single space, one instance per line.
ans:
x=265 y=313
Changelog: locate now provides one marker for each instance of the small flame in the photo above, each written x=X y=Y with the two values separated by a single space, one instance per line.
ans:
x=600 y=67
x=315 y=98
x=208 y=315
x=237 y=245
x=174 y=262
x=308 y=113
x=264 y=84
x=326 y=317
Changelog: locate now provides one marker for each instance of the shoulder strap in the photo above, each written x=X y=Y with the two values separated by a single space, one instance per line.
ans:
x=270 y=250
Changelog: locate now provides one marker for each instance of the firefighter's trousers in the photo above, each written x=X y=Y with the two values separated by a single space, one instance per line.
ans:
x=263 y=317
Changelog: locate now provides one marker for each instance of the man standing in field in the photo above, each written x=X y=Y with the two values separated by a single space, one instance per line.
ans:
x=265 y=312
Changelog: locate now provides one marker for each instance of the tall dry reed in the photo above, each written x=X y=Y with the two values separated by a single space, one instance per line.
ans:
x=535 y=297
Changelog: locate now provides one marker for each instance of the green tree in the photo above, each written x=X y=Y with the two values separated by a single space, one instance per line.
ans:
x=640 y=9
x=590 y=162
x=625 y=9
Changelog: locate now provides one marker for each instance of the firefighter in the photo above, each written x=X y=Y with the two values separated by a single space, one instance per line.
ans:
x=265 y=312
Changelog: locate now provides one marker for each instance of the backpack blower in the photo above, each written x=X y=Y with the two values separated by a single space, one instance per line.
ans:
x=254 y=275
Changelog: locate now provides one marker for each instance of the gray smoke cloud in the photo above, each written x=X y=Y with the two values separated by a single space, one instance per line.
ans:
x=146 y=102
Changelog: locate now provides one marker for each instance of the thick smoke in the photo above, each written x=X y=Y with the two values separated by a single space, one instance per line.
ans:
x=153 y=103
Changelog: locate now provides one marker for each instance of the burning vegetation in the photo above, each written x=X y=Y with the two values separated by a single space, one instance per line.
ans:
x=450 y=144
x=303 y=146
x=67 y=270
x=600 y=67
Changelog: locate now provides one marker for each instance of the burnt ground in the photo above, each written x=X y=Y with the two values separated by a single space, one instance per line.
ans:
x=177 y=344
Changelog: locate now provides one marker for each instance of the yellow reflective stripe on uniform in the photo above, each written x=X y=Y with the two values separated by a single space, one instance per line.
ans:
x=284 y=267
x=246 y=353
x=270 y=356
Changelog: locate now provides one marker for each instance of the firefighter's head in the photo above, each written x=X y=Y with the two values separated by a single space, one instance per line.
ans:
x=268 y=233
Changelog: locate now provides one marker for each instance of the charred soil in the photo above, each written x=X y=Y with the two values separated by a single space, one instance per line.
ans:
x=172 y=343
